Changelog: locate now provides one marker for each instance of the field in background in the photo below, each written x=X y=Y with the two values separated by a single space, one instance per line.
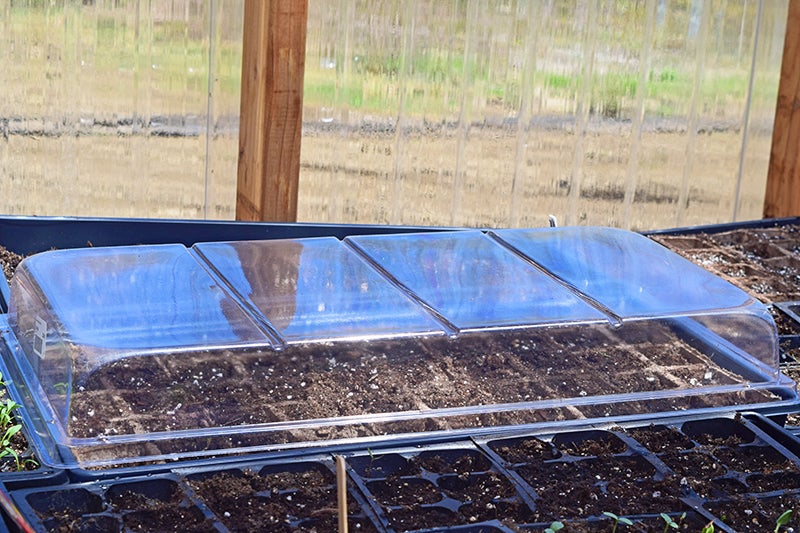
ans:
x=416 y=111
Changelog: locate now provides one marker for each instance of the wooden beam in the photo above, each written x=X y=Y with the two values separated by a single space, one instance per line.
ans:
x=271 y=112
x=782 y=198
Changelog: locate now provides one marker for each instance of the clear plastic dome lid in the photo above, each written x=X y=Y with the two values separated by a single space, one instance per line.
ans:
x=121 y=301
x=626 y=273
x=149 y=353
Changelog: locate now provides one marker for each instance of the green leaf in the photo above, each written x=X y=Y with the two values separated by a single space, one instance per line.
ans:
x=783 y=519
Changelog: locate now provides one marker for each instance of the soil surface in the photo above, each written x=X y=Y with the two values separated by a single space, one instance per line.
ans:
x=416 y=375
x=9 y=261
x=763 y=261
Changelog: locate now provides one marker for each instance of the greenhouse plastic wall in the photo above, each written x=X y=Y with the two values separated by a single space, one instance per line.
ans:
x=497 y=114
x=126 y=109
x=416 y=111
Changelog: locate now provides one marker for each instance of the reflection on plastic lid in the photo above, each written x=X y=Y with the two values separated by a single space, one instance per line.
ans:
x=624 y=271
x=139 y=298
x=474 y=282
x=315 y=289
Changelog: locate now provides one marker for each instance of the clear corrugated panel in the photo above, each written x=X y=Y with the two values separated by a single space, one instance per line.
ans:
x=119 y=108
x=637 y=115
x=468 y=112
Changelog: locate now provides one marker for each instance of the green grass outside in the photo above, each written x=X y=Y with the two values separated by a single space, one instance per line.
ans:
x=167 y=59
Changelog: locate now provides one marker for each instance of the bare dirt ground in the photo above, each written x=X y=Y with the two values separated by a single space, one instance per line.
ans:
x=428 y=177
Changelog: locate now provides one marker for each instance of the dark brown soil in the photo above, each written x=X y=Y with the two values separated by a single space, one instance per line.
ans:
x=306 y=382
x=762 y=261
x=9 y=261
x=757 y=515
x=304 y=500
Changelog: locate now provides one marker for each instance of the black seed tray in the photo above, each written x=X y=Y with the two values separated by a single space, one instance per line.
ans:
x=430 y=488
x=698 y=467
x=290 y=496
x=762 y=257
x=740 y=473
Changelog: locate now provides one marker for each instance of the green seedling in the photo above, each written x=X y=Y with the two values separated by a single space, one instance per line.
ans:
x=783 y=519
x=9 y=428
x=372 y=458
x=6 y=448
x=708 y=528
x=555 y=526
x=7 y=408
x=617 y=520
x=670 y=523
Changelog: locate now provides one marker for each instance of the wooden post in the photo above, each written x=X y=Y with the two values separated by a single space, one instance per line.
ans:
x=271 y=113
x=782 y=197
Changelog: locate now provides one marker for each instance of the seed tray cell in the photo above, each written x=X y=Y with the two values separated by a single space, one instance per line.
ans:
x=437 y=487
x=295 y=497
x=157 y=503
x=125 y=355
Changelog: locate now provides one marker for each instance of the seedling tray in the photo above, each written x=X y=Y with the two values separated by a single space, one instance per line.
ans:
x=740 y=472
x=248 y=346
x=762 y=257
x=480 y=447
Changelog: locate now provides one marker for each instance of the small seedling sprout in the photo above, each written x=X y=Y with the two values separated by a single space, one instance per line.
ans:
x=7 y=449
x=670 y=523
x=617 y=520
x=783 y=519
x=708 y=528
x=555 y=526
x=8 y=428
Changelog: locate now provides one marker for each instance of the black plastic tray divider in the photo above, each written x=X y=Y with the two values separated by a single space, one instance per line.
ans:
x=791 y=310
x=26 y=235
x=376 y=473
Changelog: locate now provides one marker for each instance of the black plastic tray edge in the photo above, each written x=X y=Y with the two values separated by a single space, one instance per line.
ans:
x=80 y=474
x=728 y=226
x=236 y=461
x=25 y=235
